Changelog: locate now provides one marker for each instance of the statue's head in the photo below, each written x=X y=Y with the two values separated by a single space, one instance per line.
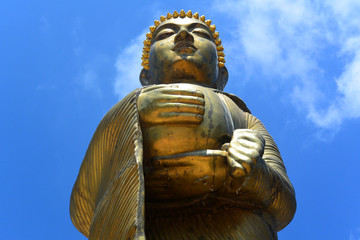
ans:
x=183 y=47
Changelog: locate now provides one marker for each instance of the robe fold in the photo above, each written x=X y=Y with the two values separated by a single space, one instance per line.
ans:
x=108 y=198
x=107 y=201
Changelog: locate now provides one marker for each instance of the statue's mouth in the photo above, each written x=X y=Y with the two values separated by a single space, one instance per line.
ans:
x=184 y=47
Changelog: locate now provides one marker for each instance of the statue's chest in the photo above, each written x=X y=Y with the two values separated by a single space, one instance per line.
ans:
x=185 y=161
x=215 y=129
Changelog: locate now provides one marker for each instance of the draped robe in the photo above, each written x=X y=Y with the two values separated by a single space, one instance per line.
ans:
x=108 y=198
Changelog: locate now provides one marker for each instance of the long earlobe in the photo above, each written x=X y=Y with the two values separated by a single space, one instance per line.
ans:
x=222 y=78
x=144 y=77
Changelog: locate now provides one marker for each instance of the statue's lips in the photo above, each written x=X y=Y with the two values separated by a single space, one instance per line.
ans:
x=184 y=47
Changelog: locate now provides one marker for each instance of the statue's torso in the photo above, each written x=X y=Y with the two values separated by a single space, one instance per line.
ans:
x=184 y=170
x=215 y=129
x=184 y=162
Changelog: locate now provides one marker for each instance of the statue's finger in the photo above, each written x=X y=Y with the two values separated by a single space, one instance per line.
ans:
x=181 y=118
x=250 y=135
x=183 y=99
x=247 y=145
x=225 y=146
x=151 y=88
x=242 y=159
x=188 y=92
x=181 y=108
x=244 y=154
x=236 y=170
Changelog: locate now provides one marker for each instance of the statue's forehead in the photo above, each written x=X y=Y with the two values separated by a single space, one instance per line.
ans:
x=182 y=22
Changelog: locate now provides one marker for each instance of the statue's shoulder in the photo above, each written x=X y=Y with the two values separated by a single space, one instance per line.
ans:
x=124 y=105
x=118 y=113
x=238 y=101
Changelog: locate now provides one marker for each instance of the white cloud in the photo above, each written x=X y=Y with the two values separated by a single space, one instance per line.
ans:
x=291 y=41
x=89 y=81
x=128 y=67
x=349 y=82
x=355 y=234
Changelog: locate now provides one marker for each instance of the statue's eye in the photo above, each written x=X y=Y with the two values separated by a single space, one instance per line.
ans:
x=164 y=34
x=202 y=33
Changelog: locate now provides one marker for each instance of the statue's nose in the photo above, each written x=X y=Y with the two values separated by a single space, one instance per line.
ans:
x=184 y=35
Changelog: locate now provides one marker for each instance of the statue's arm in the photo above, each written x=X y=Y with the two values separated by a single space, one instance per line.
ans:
x=87 y=185
x=267 y=184
x=97 y=167
x=82 y=201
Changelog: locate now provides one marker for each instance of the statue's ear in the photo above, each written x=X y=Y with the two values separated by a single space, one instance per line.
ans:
x=144 y=77
x=222 y=78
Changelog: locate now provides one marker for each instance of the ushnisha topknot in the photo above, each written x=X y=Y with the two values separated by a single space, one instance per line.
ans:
x=182 y=14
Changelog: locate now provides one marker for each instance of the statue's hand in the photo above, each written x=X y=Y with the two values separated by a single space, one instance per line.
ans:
x=245 y=153
x=168 y=104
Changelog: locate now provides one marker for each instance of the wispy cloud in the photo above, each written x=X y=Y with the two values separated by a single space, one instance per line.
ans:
x=89 y=81
x=309 y=48
x=296 y=44
x=355 y=234
x=128 y=67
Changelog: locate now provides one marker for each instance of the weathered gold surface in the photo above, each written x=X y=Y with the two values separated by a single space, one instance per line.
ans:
x=107 y=197
x=181 y=159
x=149 y=36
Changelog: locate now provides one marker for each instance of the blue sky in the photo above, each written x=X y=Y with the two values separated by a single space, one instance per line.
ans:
x=65 y=64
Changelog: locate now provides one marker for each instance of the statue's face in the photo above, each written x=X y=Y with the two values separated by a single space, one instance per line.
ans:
x=183 y=50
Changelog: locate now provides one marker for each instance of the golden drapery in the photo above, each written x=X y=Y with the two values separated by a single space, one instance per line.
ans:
x=108 y=198
x=107 y=201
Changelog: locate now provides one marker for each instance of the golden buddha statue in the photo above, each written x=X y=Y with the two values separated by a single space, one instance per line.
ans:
x=180 y=158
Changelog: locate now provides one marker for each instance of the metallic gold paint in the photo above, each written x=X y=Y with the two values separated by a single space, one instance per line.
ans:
x=182 y=15
x=180 y=159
